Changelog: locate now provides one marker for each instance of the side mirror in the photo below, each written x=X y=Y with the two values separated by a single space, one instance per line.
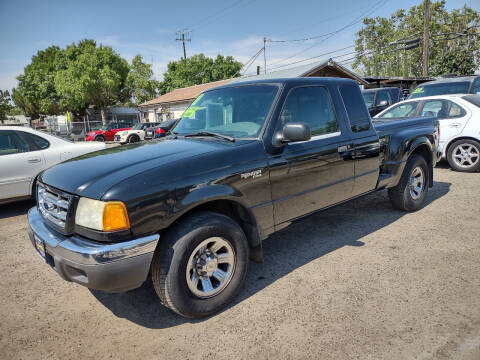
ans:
x=293 y=132
x=383 y=103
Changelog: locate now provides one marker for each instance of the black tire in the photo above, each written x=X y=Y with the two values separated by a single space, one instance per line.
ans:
x=453 y=150
x=133 y=139
x=401 y=195
x=169 y=265
x=100 y=138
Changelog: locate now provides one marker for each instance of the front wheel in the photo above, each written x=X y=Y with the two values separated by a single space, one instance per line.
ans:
x=100 y=138
x=411 y=192
x=200 y=264
x=133 y=139
x=464 y=155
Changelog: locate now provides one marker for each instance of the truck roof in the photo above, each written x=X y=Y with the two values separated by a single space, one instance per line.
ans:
x=296 y=81
x=382 y=88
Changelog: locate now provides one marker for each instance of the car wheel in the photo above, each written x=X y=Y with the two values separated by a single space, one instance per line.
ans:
x=464 y=155
x=200 y=265
x=411 y=192
x=100 y=138
x=133 y=139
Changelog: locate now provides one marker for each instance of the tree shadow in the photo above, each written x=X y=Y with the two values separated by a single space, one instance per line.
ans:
x=16 y=208
x=288 y=249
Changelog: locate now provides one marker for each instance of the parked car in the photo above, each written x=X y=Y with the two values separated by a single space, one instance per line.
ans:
x=160 y=130
x=244 y=161
x=106 y=132
x=135 y=134
x=380 y=98
x=25 y=152
x=445 y=86
x=459 y=118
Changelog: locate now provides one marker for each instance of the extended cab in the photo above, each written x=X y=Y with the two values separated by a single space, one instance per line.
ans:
x=245 y=160
x=380 y=98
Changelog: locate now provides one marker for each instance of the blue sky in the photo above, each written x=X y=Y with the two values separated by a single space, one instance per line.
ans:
x=228 y=27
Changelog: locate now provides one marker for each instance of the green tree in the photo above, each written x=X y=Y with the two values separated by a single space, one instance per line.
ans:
x=140 y=82
x=91 y=75
x=454 y=45
x=5 y=105
x=198 y=69
x=36 y=93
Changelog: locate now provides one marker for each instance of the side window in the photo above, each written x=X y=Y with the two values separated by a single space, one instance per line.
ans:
x=39 y=142
x=401 y=111
x=355 y=107
x=455 y=111
x=434 y=108
x=476 y=86
x=310 y=105
x=11 y=143
x=383 y=96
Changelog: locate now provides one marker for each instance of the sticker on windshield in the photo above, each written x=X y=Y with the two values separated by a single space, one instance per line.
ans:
x=190 y=111
x=418 y=90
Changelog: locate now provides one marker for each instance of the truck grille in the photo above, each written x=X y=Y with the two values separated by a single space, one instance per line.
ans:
x=53 y=205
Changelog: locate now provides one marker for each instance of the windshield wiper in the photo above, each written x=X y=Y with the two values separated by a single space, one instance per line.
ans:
x=212 y=134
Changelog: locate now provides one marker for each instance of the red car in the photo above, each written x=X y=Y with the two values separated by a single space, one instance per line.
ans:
x=106 y=132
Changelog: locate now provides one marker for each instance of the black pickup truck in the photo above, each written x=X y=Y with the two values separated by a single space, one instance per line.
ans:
x=245 y=160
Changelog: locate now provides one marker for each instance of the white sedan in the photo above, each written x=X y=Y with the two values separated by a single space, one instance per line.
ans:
x=459 y=118
x=25 y=152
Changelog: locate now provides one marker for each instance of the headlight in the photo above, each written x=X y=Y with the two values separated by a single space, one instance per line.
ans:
x=101 y=215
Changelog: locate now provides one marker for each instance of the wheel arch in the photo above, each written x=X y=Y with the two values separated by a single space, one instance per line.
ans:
x=235 y=210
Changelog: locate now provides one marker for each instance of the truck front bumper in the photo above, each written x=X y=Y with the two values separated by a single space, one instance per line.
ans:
x=114 y=267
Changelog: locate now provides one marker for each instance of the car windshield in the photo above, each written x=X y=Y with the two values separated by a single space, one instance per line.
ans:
x=440 y=89
x=473 y=99
x=369 y=97
x=238 y=112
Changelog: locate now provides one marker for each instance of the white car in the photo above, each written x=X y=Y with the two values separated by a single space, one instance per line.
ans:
x=25 y=152
x=135 y=134
x=459 y=118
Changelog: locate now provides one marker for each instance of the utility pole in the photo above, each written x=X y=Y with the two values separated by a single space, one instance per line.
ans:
x=264 y=56
x=181 y=37
x=426 y=35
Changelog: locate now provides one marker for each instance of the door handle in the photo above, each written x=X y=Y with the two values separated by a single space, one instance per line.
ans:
x=455 y=125
x=343 y=148
x=34 y=160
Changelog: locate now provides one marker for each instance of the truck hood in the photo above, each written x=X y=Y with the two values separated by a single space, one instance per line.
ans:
x=91 y=175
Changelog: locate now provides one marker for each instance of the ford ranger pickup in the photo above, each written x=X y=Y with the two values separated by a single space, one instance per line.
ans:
x=246 y=159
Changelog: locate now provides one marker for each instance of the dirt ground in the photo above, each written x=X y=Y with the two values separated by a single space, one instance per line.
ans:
x=360 y=281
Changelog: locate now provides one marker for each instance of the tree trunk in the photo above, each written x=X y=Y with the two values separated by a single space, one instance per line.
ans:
x=104 y=120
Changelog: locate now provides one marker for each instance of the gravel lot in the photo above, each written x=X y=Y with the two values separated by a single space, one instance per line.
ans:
x=360 y=281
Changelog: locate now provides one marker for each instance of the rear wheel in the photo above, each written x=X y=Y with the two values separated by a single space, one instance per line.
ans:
x=200 y=265
x=464 y=155
x=411 y=192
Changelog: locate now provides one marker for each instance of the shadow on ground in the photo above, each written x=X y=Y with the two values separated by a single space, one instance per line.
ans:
x=303 y=241
x=16 y=208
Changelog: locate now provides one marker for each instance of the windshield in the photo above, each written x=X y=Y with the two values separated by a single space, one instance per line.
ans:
x=239 y=112
x=440 y=89
x=138 y=126
x=369 y=97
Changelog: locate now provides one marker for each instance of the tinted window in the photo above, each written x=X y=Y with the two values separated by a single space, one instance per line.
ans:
x=476 y=86
x=11 y=143
x=403 y=110
x=369 y=98
x=356 y=110
x=440 y=89
x=473 y=99
x=312 y=106
x=434 y=108
x=383 y=96
x=40 y=143
x=455 y=110
x=394 y=94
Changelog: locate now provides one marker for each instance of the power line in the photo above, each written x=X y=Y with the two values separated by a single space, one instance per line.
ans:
x=327 y=36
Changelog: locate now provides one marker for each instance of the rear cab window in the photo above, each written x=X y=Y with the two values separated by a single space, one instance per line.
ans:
x=356 y=110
